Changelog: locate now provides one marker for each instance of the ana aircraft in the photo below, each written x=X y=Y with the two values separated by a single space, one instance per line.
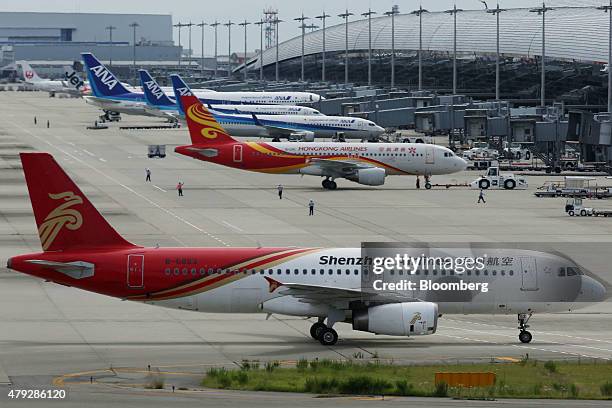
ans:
x=71 y=85
x=302 y=127
x=81 y=249
x=363 y=163
x=110 y=94
x=165 y=106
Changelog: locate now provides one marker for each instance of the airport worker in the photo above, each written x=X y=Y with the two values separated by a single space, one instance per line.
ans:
x=179 y=188
x=418 y=183
x=311 y=207
x=280 y=191
x=34 y=119
x=47 y=123
x=481 y=196
x=148 y=173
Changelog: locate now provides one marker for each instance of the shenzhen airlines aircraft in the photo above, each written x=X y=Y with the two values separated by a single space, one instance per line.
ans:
x=363 y=163
x=81 y=249
x=72 y=85
x=277 y=126
x=110 y=94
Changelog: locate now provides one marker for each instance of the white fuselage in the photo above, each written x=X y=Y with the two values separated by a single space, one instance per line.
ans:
x=509 y=290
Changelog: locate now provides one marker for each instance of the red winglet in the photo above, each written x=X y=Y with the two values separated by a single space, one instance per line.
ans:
x=274 y=284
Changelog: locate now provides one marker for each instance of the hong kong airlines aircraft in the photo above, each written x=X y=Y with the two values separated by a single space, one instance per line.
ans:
x=81 y=249
x=363 y=163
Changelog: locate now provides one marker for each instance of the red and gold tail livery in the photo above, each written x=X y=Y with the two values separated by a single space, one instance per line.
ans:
x=203 y=127
x=64 y=216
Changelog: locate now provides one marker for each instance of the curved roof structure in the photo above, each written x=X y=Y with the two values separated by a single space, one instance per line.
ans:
x=572 y=33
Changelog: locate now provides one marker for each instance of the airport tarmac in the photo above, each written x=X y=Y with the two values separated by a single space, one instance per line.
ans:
x=49 y=332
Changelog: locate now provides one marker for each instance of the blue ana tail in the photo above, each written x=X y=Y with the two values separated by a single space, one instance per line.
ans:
x=180 y=89
x=102 y=81
x=154 y=95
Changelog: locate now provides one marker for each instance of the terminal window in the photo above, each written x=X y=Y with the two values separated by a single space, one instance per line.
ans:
x=66 y=34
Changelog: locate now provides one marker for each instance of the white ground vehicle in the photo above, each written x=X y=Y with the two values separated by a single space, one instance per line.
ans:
x=574 y=207
x=496 y=180
x=517 y=151
x=480 y=149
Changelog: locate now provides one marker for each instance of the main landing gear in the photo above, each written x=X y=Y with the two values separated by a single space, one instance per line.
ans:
x=325 y=333
x=524 y=335
x=329 y=184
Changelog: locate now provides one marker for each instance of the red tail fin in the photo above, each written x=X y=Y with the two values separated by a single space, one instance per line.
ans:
x=64 y=216
x=203 y=127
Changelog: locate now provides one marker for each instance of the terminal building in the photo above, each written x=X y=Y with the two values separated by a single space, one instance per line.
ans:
x=57 y=38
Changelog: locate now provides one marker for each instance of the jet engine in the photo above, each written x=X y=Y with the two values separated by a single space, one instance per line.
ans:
x=398 y=319
x=371 y=177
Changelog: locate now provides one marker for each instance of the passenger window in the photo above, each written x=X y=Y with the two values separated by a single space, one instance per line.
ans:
x=571 y=271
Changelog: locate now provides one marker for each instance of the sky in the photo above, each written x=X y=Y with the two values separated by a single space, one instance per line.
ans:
x=251 y=10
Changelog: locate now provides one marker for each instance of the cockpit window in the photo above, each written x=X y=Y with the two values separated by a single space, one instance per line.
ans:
x=572 y=271
x=370 y=124
x=561 y=271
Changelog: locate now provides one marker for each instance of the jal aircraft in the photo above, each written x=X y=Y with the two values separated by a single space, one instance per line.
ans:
x=363 y=163
x=277 y=126
x=72 y=85
x=165 y=106
x=81 y=249
x=110 y=94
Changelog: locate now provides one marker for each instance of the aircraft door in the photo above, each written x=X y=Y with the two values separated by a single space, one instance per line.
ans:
x=429 y=155
x=237 y=153
x=529 y=273
x=135 y=271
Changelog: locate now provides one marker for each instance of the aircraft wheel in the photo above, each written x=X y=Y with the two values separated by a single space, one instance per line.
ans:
x=332 y=185
x=525 y=336
x=315 y=330
x=328 y=337
x=325 y=184
x=428 y=185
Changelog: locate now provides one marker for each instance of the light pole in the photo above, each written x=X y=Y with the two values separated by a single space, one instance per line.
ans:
x=189 y=24
x=608 y=9
x=303 y=27
x=245 y=24
x=179 y=25
x=454 y=12
x=496 y=11
x=201 y=25
x=419 y=13
x=215 y=25
x=276 y=21
x=229 y=25
x=392 y=14
x=369 y=16
x=542 y=11
x=346 y=16
x=110 y=29
x=260 y=23
x=134 y=25
x=322 y=17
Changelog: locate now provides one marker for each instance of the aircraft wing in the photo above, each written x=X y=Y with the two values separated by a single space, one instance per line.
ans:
x=334 y=295
x=340 y=167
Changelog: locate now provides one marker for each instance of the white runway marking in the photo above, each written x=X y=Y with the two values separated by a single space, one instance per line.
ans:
x=131 y=190
x=102 y=160
x=233 y=226
x=89 y=153
x=159 y=188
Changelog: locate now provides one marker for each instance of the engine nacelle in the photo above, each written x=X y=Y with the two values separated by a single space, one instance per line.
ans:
x=370 y=177
x=288 y=305
x=398 y=319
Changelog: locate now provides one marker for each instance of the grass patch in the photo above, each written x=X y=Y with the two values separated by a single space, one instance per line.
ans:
x=525 y=379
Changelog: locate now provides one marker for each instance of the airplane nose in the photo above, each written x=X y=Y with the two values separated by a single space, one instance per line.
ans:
x=592 y=290
x=460 y=164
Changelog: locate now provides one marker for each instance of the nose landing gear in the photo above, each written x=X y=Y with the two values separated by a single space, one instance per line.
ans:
x=524 y=335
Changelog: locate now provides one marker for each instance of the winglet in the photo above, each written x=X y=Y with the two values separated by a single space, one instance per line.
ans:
x=256 y=119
